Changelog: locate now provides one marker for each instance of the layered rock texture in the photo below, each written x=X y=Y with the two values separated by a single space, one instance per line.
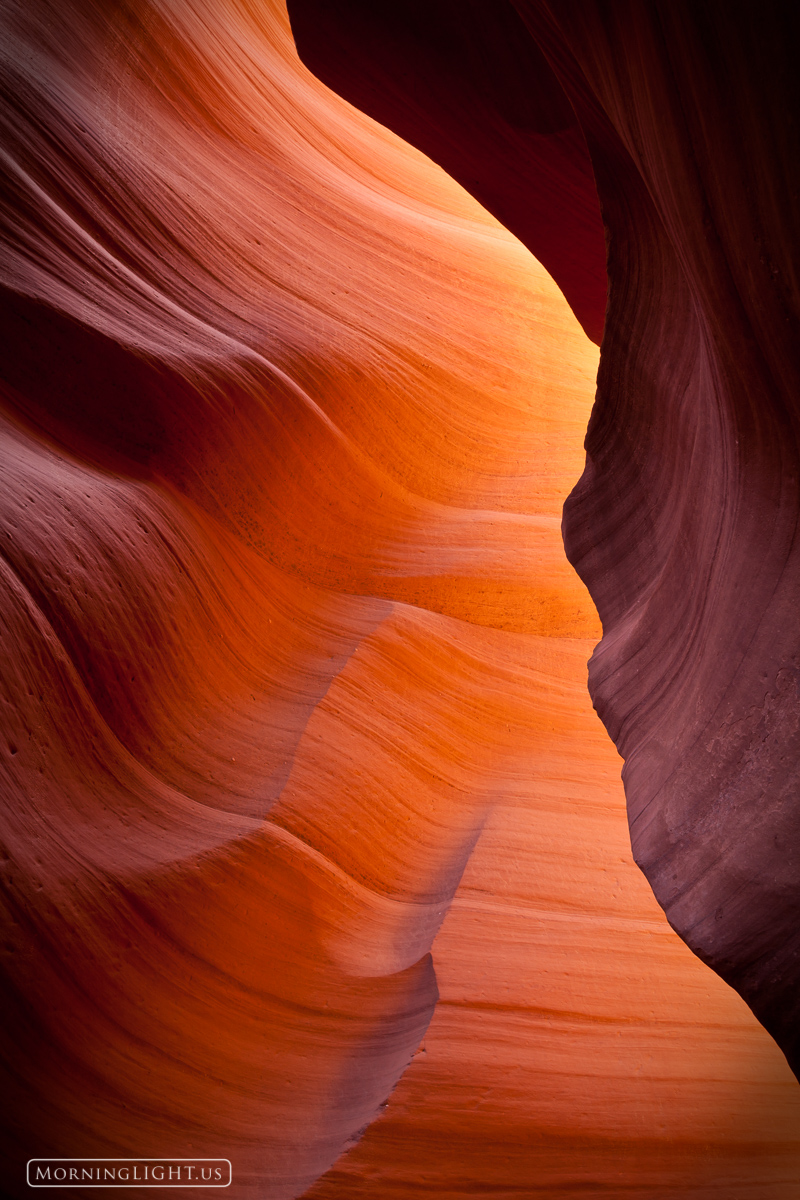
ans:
x=683 y=524
x=293 y=683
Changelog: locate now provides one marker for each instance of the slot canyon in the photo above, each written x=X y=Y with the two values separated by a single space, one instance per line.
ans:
x=368 y=370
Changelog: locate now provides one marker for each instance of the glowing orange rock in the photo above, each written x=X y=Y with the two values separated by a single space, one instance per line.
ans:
x=288 y=423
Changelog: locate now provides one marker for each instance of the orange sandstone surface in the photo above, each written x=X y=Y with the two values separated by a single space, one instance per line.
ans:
x=578 y=1047
x=293 y=665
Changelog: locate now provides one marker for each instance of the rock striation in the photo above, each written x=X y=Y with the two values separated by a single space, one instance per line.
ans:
x=465 y=82
x=258 y=498
x=291 y=665
x=683 y=524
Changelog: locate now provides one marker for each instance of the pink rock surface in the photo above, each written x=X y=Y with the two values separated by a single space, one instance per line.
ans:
x=290 y=644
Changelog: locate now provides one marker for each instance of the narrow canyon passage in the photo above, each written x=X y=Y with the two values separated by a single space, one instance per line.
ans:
x=578 y=1046
x=304 y=792
x=662 y=139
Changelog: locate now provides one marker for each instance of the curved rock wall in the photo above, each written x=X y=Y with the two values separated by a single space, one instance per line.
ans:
x=287 y=425
x=249 y=463
x=578 y=1047
x=463 y=81
x=683 y=525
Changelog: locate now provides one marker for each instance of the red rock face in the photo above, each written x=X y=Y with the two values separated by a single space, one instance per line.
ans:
x=697 y=678
x=292 y=660
x=464 y=81
x=683 y=525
